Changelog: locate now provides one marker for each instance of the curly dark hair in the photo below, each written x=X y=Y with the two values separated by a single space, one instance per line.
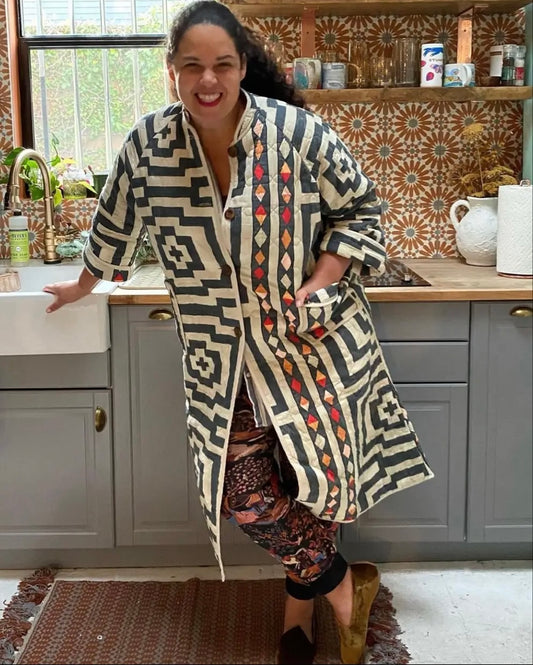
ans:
x=263 y=76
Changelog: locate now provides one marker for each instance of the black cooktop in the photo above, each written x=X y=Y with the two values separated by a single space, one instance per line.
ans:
x=396 y=274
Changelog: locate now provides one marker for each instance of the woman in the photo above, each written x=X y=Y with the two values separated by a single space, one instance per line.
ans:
x=262 y=222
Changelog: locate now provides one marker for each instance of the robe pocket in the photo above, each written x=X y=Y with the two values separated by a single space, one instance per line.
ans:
x=318 y=308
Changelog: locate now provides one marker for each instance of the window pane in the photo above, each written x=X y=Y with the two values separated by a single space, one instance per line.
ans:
x=96 y=17
x=90 y=98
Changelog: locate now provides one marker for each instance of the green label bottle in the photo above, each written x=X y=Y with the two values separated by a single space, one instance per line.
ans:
x=19 y=239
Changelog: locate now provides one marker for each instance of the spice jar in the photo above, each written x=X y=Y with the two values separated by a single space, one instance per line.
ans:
x=509 y=53
x=496 y=64
x=519 y=64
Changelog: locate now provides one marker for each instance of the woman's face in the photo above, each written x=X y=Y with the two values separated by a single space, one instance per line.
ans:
x=207 y=72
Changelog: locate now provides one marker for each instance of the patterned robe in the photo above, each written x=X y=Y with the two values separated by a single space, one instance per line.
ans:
x=232 y=269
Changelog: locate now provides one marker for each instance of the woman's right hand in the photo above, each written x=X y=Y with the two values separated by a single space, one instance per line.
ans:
x=63 y=292
x=67 y=292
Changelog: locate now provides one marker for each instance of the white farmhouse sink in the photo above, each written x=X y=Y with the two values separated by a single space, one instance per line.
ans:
x=26 y=328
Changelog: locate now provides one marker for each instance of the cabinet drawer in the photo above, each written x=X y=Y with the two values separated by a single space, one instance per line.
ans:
x=439 y=362
x=425 y=321
x=76 y=370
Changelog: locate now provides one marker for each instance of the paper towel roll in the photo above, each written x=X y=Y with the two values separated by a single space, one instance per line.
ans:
x=514 y=249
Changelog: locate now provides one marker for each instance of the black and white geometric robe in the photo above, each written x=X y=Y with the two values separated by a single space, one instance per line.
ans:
x=316 y=372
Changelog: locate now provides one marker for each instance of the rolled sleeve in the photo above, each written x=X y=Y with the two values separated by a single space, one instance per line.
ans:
x=110 y=249
x=350 y=208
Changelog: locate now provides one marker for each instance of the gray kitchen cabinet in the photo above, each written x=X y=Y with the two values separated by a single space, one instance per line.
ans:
x=55 y=468
x=433 y=511
x=155 y=494
x=426 y=349
x=156 y=497
x=500 y=431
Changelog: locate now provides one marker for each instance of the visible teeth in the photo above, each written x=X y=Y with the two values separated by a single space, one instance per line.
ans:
x=209 y=98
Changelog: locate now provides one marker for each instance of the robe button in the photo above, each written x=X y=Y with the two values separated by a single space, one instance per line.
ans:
x=237 y=331
x=226 y=270
x=232 y=151
x=229 y=213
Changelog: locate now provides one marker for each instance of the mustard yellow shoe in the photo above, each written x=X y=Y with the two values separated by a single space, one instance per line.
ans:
x=365 y=580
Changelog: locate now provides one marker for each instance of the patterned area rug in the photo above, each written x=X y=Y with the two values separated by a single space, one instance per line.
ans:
x=198 y=621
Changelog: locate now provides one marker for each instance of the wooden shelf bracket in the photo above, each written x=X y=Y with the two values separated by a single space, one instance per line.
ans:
x=308 y=32
x=464 y=36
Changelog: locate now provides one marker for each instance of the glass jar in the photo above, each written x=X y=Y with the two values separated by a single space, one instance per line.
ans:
x=509 y=54
x=406 y=61
x=496 y=64
x=358 y=64
x=327 y=55
x=519 y=65
x=381 y=71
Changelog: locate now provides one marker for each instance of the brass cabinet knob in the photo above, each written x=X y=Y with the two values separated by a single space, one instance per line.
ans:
x=521 y=311
x=100 y=419
x=160 y=315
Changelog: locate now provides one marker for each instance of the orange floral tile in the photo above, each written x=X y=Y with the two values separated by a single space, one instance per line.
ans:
x=409 y=235
x=409 y=150
x=332 y=34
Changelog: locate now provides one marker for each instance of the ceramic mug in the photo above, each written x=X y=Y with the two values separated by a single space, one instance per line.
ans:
x=307 y=73
x=459 y=74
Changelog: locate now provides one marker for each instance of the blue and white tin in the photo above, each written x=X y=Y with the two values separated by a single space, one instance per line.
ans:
x=333 y=75
x=431 y=65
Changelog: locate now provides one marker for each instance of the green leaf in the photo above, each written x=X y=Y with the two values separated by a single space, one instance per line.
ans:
x=54 y=182
x=58 y=197
x=36 y=192
x=10 y=157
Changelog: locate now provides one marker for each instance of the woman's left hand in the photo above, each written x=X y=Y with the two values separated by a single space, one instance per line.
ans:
x=307 y=287
x=328 y=270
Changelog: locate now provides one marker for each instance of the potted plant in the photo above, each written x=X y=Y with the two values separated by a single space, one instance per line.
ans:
x=67 y=180
x=479 y=175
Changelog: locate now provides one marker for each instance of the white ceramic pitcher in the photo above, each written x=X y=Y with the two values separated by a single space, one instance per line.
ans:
x=475 y=233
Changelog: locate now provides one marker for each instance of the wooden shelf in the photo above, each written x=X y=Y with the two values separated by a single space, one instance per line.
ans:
x=362 y=95
x=262 y=8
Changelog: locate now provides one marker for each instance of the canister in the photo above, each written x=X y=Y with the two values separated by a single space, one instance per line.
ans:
x=431 y=65
x=333 y=75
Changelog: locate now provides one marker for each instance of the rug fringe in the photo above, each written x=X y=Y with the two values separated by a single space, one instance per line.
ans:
x=21 y=610
x=383 y=644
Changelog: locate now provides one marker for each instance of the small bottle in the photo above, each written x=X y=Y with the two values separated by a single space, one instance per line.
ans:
x=519 y=64
x=496 y=64
x=19 y=239
x=509 y=53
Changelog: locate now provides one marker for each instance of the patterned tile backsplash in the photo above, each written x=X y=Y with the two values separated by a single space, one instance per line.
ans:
x=409 y=149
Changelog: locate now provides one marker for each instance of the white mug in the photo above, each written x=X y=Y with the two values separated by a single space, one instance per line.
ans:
x=307 y=73
x=459 y=75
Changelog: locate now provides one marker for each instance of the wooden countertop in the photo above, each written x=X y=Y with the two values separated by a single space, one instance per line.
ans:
x=450 y=279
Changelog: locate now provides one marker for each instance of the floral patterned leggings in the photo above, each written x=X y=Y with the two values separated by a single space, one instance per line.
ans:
x=262 y=504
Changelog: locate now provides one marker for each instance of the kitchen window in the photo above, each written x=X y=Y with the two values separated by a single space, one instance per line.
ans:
x=88 y=70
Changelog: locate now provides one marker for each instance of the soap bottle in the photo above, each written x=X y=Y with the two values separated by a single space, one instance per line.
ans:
x=19 y=239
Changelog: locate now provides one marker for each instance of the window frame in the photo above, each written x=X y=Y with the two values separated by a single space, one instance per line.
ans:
x=24 y=46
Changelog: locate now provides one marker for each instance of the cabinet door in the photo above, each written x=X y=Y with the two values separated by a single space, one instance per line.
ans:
x=156 y=496
x=434 y=510
x=55 y=469
x=500 y=460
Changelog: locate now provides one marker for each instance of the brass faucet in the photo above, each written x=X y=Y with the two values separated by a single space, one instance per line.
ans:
x=14 y=203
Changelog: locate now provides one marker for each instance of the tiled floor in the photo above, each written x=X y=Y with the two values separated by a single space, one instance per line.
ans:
x=463 y=612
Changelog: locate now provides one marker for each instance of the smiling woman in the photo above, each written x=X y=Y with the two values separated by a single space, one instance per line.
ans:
x=264 y=225
x=208 y=79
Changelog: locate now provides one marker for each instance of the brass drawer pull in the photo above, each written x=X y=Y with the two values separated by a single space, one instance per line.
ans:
x=161 y=315
x=100 y=419
x=521 y=311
